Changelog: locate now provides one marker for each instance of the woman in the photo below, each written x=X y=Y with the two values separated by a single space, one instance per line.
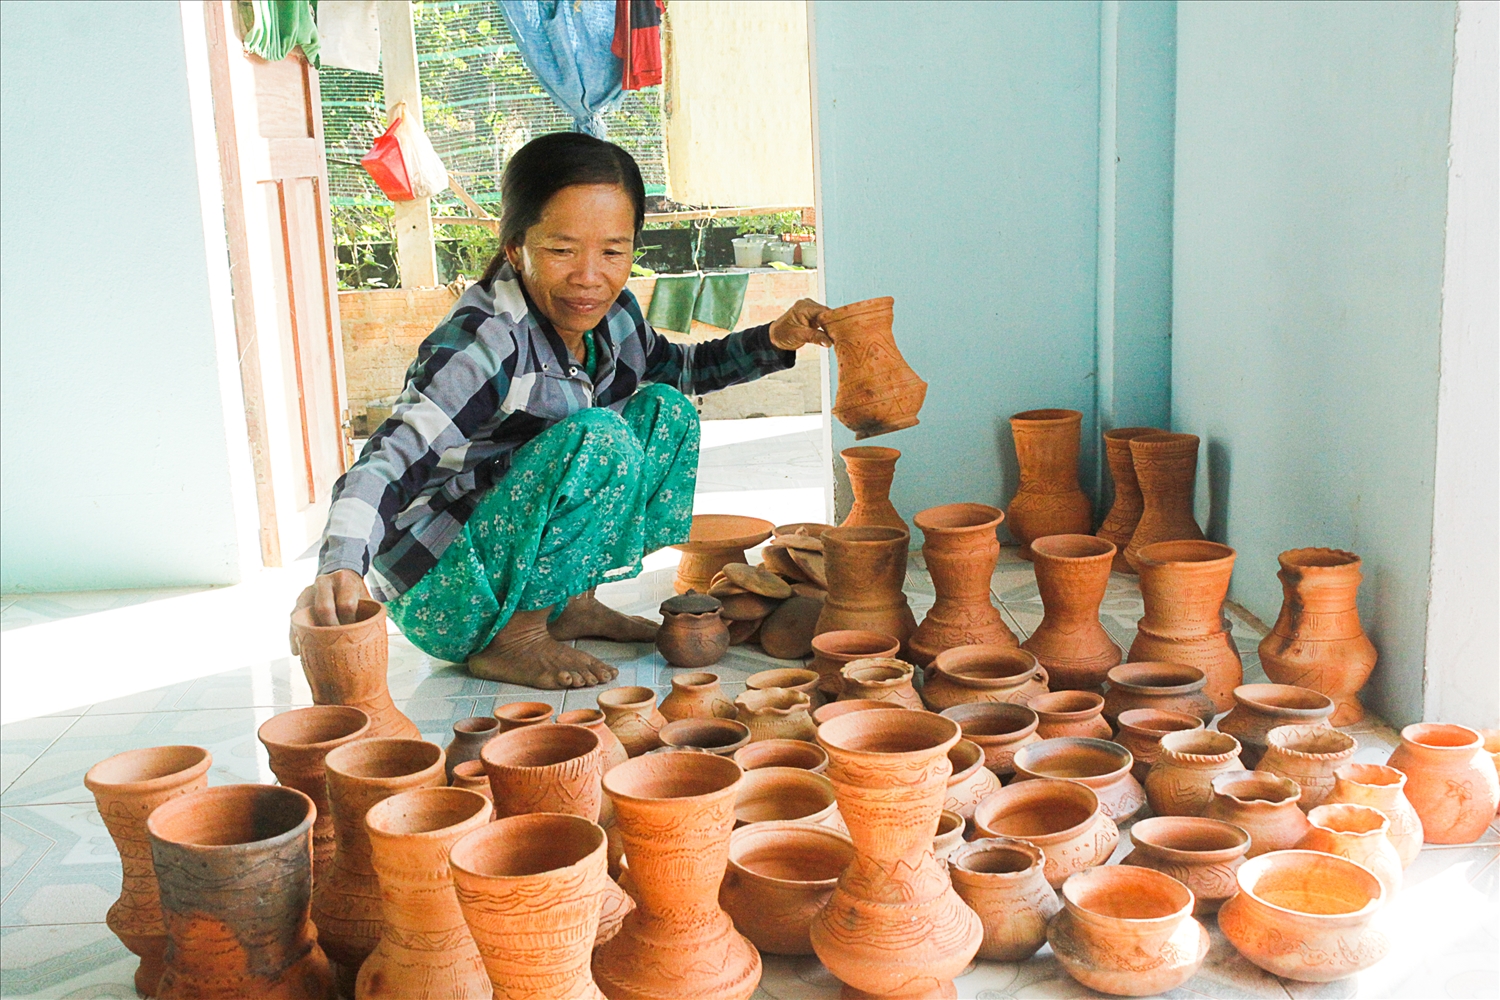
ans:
x=543 y=443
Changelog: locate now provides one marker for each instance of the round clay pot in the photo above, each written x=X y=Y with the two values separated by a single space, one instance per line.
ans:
x=1167 y=687
x=999 y=729
x=790 y=678
x=967 y=675
x=960 y=548
x=1128 y=931
x=780 y=875
x=1071 y=713
x=866 y=572
x=1381 y=787
x=877 y=390
x=871 y=470
x=1306 y=916
x=297 y=743
x=630 y=712
x=1449 y=780
x=713 y=541
x=1165 y=467
x=1317 y=641
x=1202 y=854
x=126 y=788
x=1263 y=805
x=1308 y=755
x=787 y=632
x=546 y=769
x=470 y=777
x=786 y=795
x=890 y=772
x=520 y=714
x=776 y=714
x=1183 y=585
x=693 y=634
x=346 y=665
x=724 y=737
x=834 y=709
x=593 y=720
x=1061 y=817
x=1260 y=708
x=1125 y=512
x=1181 y=782
x=1048 y=500
x=529 y=890
x=884 y=679
x=235 y=869
x=1141 y=730
x=425 y=950
x=1101 y=765
x=949 y=836
x=696 y=696
x=971 y=782
x=831 y=650
x=469 y=737
x=1359 y=834
x=1071 y=574
x=1001 y=880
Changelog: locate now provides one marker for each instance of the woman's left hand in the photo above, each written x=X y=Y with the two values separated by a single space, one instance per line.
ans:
x=801 y=324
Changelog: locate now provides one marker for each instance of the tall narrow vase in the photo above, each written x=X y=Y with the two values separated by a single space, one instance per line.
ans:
x=866 y=573
x=1072 y=572
x=960 y=548
x=1165 y=467
x=1184 y=585
x=1049 y=500
x=871 y=470
x=297 y=743
x=346 y=665
x=1125 y=513
x=877 y=390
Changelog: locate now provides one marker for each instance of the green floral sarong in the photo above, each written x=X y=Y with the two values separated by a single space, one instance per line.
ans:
x=581 y=504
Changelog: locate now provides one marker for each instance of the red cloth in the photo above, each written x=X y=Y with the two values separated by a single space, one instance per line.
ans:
x=638 y=41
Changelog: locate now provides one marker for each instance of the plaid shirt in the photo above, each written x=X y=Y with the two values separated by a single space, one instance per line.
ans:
x=492 y=376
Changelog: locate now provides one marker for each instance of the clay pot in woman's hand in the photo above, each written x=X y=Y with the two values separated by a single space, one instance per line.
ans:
x=971 y=782
x=1183 y=585
x=1202 y=854
x=1381 y=787
x=1061 y=817
x=1167 y=687
x=1101 y=765
x=776 y=714
x=1125 y=513
x=1263 y=805
x=971 y=674
x=871 y=470
x=1165 y=467
x=782 y=753
x=1071 y=713
x=877 y=390
x=693 y=633
x=1308 y=755
x=960 y=548
x=630 y=712
x=1048 y=500
x=1359 y=834
x=297 y=742
x=999 y=729
x=520 y=714
x=1181 y=781
x=346 y=665
x=831 y=650
x=882 y=679
x=866 y=573
x=1001 y=880
x=1449 y=780
x=696 y=696
x=469 y=737
x=1072 y=572
x=1141 y=730
x=1260 y=708
x=780 y=876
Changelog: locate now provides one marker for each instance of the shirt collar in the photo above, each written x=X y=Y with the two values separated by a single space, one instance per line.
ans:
x=604 y=360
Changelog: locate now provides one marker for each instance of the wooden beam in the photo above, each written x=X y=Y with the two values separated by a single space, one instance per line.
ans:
x=722 y=213
x=415 y=254
x=488 y=222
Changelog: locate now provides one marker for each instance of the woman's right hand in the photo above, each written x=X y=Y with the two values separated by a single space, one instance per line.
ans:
x=333 y=599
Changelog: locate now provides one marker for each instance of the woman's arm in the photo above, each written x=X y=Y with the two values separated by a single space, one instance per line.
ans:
x=740 y=357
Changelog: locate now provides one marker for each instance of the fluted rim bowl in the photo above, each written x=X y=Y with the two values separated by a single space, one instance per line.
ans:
x=1206 y=743
x=233 y=817
x=1257 y=788
x=1002 y=857
x=1138 y=897
x=1285 y=881
x=1316 y=742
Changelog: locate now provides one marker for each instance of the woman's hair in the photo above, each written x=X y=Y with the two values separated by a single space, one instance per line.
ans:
x=546 y=165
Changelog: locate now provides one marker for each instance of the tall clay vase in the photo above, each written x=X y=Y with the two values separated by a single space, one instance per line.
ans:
x=1125 y=512
x=1381 y=787
x=235 y=868
x=866 y=570
x=425 y=950
x=878 y=392
x=893 y=927
x=1001 y=880
x=1049 y=500
x=1317 y=641
x=871 y=470
x=1260 y=708
x=1449 y=779
x=1071 y=574
x=346 y=665
x=960 y=547
x=126 y=788
x=676 y=812
x=1263 y=805
x=631 y=714
x=1183 y=585
x=297 y=743
x=1359 y=834
x=469 y=737
x=1165 y=467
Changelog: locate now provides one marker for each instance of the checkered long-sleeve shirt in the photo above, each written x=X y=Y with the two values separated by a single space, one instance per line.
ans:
x=491 y=377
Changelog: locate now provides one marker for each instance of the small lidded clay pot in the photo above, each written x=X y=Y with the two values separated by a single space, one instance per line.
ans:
x=999 y=729
x=782 y=753
x=1308 y=755
x=1172 y=687
x=880 y=679
x=1381 y=787
x=696 y=696
x=1260 y=708
x=724 y=737
x=1099 y=764
x=1263 y=805
x=1141 y=730
x=779 y=878
x=1071 y=713
x=971 y=782
x=1202 y=854
x=1181 y=780
x=692 y=633
x=1001 y=880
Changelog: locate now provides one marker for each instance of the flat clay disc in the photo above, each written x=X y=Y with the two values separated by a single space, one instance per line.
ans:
x=758 y=581
x=812 y=590
x=776 y=559
x=747 y=607
x=806 y=543
x=811 y=563
x=723 y=588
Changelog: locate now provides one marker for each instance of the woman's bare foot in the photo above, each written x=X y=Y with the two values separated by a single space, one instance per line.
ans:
x=586 y=617
x=525 y=652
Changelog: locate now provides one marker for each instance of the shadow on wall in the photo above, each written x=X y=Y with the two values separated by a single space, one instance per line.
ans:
x=1216 y=525
x=1010 y=470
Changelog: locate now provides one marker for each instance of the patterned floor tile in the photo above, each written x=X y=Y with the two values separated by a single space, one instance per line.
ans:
x=71 y=868
x=66 y=960
x=21 y=743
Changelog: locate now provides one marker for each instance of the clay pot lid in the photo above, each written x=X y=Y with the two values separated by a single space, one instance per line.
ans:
x=313 y=728
x=1126 y=433
x=986 y=665
x=1154 y=678
x=1371 y=775
x=1157 y=721
x=855 y=644
x=982 y=720
x=798 y=543
x=835 y=709
x=1284 y=699
x=672 y=777
x=524 y=847
x=691 y=603
x=721 y=736
x=1312 y=560
x=855 y=310
x=1190 y=840
x=782 y=794
x=790 y=853
x=385 y=757
x=1078 y=758
x=746 y=607
x=1205 y=746
x=886 y=736
x=782 y=753
x=1349 y=820
x=1067 y=705
x=627 y=696
x=1073 y=548
x=1442 y=736
x=233 y=817
x=725 y=532
x=1327 y=887
x=758 y=580
x=147 y=770
x=426 y=813
x=966 y=758
x=1042 y=417
x=1184 y=552
x=1257 y=788
x=954 y=518
x=999 y=858
x=812 y=565
x=1314 y=742
x=1126 y=895
x=781 y=677
x=364 y=612
x=522 y=714
x=1040 y=810
x=540 y=746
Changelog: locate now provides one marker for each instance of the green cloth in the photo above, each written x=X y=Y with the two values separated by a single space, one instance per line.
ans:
x=672 y=300
x=720 y=299
x=581 y=504
x=280 y=26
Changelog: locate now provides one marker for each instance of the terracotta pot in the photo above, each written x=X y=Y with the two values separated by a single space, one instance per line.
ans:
x=126 y=788
x=724 y=737
x=787 y=632
x=593 y=720
x=971 y=782
x=235 y=869
x=520 y=714
x=470 y=777
x=968 y=675
x=1359 y=834
x=780 y=875
x=713 y=541
x=1001 y=881
x=346 y=665
x=696 y=696
x=546 y=769
x=1306 y=916
x=999 y=729
x=877 y=390
x=790 y=678
x=949 y=836
x=1492 y=747
x=1450 y=781
x=630 y=712
x=296 y=743
x=1184 y=585
x=1071 y=574
x=866 y=573
x=1128 y=931
x=1260 y=708
x=831 y=650
x=1125 y=513
x=425 y=950
x=960 y=548
x=1071 y=713
x=834 y=709
x=1101 y=765
x=786 y=795
x=1317 y=641
x=1381 y=787
x=890 y=772
x=871 y=470
x=782 y=753
x=529 y=890
x=469 y=737
x=1141 y=730
x=1061 y=817
x=1048 y=500
x=1202 y=854
x=676 y=811
x=1263 y=805
x=1181 y=782
x=1165 y=687
x=1165 y=467
x=883 y=679
x=1308 y=755
x=693 y=634
x=776 y=714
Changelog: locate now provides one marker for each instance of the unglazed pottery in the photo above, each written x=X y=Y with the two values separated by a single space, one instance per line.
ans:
x=1492 y=747
x=1202 y=854
x=297 y=743
x=780 y=875
x=1260 y=708
x=1450 y=781
x=866 y=573
x=1263 y=805
x=692 y=633
x=1141 y=730
x=346 y=665
x=724 y=737
x=1048 y=500
x=834 y=709
x=546 y=769
x=1165 y=467
x=1183 y=585
x=997 y=728
x=1101 y=765
x=593 y=720
x=782 y=753
x=1128 y=931
x=883 y=679
x=1308 y=755
x=520 y=714
x=1305 y=915
x=960 y=548
x=631 y=714
x=235 y=869
x=971 y=782
x=1071 y=574
x=713 y=541
x=1359 y=834
x=971 y=674
x=470 y=777
x=1061 y=817
x=890 y=772
x=877 y=390
x=1071 y=713
x=469 y=737
x=696 y=696
x=786 y=795
x=871 y=470
x=776 y=714
x=757 y=580
x=126 y=788
x=1125 y=512
x=1181 y=782
x=1001 y=880
x=790 y=678
x=1381 y=787
x=1167 y=687
x=1317 y=641
x=787 y=632
x=950 y=834
x=831 y=650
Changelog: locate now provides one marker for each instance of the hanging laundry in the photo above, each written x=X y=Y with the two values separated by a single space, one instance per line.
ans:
x=566 y=46
x=350 y=33
x=280 y=26
x=638 y=41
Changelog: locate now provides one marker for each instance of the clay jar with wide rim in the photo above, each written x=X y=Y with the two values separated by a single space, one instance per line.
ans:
x=1263 y=805
x=877 y=390
x=776 y=714
x=971 y=782
x=1125 y=511
x=1359 y=834
x=469 y=737
x=968 y=675
x=1048 y=500
x=871 y=470
x=1202 y=854
x=520 y=714
x=425 y=950
x=1306 y=916
x=831 y=650
x=346 y=665
x=631 y=714
x=1101 y=765
x=1449 y=780
x=1183 y=585
x=1141 y=730
x=1061 y=817
x=126 y=788
x=782 y=753
x=960 y=548
x=297 y=742
x=790 y=678
x=1308 y=755
x=1072 y=572
x=593 y=720
x=1381 y=787
x=676 y=812
x=718 y=736
x=880 y=679
x=997 y=728
x=713 y=541
x=1001 y=880
x=528 y=887
x=786 y=795
x=1071 y=713
x=866 y=570
x=780 y=875
x=235 y=868
x=890 y=772
x=1260 y=708
x=1128 y=931
x=696 y=696
x=1165 y=466
x=1167 y=687
x=1317 y=641
x=1181 y=782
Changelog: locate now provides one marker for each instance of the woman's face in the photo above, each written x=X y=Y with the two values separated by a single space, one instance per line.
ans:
x=577 y=256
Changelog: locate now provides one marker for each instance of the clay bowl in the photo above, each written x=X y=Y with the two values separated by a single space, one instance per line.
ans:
x=1070 y=713
x=779 y=877
x=834 y=709
x=832 y=650
x=717 y=736
x=518 y=714
x=1202 y=854
x=1061 y=817
x=999 y=728
x=1260 y=708
x=1141 y=730
x=987 y=672
x=1172 y=687
x=782 y=753
x=713 y=540
x=790 y=678
x=1099 y=764
x=786 y=795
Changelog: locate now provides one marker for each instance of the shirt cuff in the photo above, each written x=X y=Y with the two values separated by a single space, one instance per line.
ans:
x=772 y=358
x=342 y=553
